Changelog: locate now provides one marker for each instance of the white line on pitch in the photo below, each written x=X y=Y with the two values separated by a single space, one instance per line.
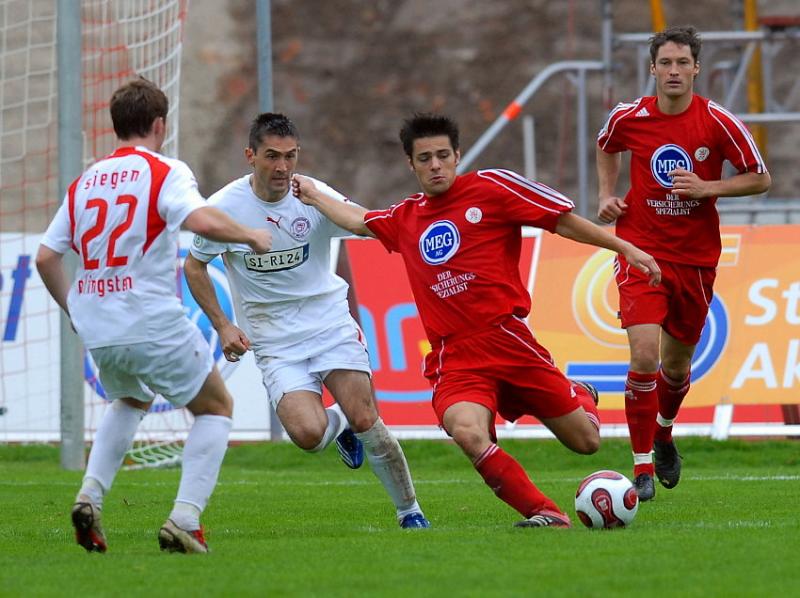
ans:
x=272 y=481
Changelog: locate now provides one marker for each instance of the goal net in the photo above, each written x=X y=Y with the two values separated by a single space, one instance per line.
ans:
x=120 y=40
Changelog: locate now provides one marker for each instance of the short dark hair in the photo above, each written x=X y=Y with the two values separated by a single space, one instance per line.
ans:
x=426 y=124
x=271 y=123
x=135 y=106
x=683 y=36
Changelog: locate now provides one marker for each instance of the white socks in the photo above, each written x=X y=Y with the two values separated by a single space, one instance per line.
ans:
x=202 y=458
x=337 y=422
x=389 y=464
x=185 y=516
x=113 y=439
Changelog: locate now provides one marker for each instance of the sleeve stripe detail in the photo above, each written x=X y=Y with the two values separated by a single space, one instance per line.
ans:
x=390 y=212
x=617 y=114
x=378 y=217
x=535 y=186
x=761 y=167
x=497 y=176
x=72 y=214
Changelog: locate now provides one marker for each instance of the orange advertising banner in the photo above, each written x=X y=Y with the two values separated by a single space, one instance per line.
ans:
x=749 y=353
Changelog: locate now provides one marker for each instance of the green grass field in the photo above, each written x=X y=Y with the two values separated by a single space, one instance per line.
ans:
x=284 y=523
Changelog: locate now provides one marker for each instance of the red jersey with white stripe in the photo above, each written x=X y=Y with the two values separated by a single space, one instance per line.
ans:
x=671 y=227
x=462 y=248
x=122 y=217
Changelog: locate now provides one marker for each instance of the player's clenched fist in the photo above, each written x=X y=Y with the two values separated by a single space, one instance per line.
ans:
x=261 y=241
x=234 y=342
x=611 y=208
x=303 y=188
x=688 y=184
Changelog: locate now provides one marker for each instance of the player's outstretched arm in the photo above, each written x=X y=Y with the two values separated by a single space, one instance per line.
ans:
x=232 y=339
x=216 y=225
x=49 y=263
x=609 y=206
x=572 y=226
x=348 y=216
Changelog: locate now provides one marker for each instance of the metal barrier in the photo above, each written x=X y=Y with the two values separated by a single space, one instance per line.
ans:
x=787 y=209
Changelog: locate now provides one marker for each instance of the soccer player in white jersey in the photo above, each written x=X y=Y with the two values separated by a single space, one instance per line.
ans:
x=122 y=217
x=294 y=311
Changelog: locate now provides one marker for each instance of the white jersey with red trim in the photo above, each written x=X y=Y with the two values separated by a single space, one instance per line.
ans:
x=122 y=218
x=290 y=293
x=462 y=248
x=669 y=226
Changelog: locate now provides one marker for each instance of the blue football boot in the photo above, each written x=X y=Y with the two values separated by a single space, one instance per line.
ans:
x=414 y=521
x=350 y=448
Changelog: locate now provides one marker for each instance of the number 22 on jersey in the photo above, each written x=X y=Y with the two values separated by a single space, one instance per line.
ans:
x=101 y=207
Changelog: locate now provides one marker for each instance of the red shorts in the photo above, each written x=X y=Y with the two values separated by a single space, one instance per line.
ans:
x=502 y=368
x=679 y=304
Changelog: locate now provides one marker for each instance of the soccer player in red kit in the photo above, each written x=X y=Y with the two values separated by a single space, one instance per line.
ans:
x=678 y=141
x=460 y=240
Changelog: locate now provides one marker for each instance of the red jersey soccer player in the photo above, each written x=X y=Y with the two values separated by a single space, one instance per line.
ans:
x=678 y=142
x=460 y=240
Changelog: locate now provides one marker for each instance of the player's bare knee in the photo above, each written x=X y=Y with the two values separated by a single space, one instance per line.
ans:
x=644 y=364
x=225 y=405
x=216 y=403
x=676 y=370
x=306 y=438
x=362 y=420
x=213 y=398
x=590 y=443
x=645 y=357
x=220 y=403
x=469 y=438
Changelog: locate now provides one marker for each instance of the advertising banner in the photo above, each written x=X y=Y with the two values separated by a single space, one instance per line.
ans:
x=749 y=353
x=748 y=356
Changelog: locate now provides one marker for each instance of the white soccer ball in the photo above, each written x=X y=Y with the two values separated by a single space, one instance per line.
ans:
x=606 y=499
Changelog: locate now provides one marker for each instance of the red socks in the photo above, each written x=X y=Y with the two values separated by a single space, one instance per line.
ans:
x=641 y=408
x=510 y=483
x=670 y=396
x=586 y=400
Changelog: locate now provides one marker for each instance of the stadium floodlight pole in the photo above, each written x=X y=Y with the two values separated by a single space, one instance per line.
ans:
x=264 y=42
x=608 y=49
x=582 y=133
x=70 y=158
x=264 y=19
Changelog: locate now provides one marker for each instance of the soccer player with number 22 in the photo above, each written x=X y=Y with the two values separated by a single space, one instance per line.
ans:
x=122 y=218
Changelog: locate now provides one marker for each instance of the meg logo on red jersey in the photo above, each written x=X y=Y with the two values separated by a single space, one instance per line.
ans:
x=666 y=159
x=439 y=242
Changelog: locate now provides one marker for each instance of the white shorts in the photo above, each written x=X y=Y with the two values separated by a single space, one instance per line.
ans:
x=306 y=365
x=174 y=367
